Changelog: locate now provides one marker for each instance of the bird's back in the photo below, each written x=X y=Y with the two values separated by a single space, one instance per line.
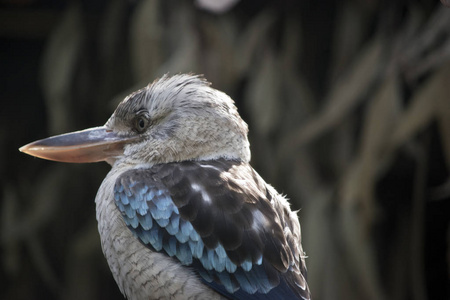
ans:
x=215 y=224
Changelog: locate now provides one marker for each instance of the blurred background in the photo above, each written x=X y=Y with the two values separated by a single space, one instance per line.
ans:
x=348 y=104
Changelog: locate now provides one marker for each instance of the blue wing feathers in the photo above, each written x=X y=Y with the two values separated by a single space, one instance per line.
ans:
x=181 y=237
x=145 y=220
x=156 y=238
x=145 y=205
x=196 y=248
x=162 y=201
x=226 y=280
x=220 y=252
x=215 y=262
x=219 y=264
x=281 y=292
x=186 y=228
x=171 y=246
x=148 y=208
x=133 y=222
x=230 y=266
x=172 y=226
x=246 y=265
x=194 y=236
x=183 y=254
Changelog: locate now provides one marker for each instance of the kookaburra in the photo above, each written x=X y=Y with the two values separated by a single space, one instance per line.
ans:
x=182 y=214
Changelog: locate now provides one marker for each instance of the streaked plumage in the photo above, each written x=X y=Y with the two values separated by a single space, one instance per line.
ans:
x=182 y=214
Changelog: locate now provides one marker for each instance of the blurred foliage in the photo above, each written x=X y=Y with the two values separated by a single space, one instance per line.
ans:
x=348 y=105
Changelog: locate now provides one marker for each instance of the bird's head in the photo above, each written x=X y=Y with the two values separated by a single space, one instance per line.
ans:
x=173 y=119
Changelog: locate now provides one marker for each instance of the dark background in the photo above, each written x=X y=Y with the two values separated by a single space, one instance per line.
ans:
x=348 y=104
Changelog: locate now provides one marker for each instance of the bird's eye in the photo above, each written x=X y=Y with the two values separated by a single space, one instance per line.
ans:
x=141 y=123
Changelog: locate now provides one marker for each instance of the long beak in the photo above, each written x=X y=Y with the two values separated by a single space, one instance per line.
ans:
x=90 y=145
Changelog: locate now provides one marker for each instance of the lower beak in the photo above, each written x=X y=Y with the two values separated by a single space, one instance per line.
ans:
x=90 y=145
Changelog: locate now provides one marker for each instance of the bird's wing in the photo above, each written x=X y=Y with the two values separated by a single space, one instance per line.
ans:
x=220 y=218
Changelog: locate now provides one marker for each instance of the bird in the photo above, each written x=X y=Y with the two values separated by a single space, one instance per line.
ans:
x=182 y=214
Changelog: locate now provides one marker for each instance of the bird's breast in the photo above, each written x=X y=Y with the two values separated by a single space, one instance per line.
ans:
x=139 y=272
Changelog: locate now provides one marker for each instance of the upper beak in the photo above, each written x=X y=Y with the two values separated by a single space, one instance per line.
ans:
x=90 y=145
